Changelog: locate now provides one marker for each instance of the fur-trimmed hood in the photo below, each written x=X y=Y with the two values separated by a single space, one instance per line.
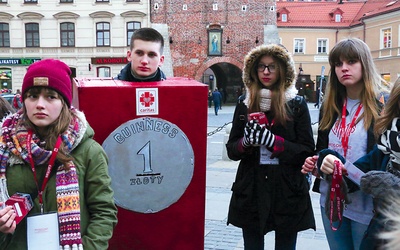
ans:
x=279 y=53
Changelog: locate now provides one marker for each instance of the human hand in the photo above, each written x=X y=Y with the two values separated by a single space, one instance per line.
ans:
x=7 y=219
x=249 y=132
x=256 y=135
x=328 y=165
x=309 y=164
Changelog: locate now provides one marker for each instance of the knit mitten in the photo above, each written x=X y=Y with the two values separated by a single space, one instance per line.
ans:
x=379 y=184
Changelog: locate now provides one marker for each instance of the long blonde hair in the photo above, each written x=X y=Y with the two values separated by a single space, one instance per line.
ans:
x=391 y=110
x=374 y=85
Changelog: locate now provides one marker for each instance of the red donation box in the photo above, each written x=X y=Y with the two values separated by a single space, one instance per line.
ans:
x=155 y=136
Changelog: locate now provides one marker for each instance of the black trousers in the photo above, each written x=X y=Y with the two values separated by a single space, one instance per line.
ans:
x=253 y=240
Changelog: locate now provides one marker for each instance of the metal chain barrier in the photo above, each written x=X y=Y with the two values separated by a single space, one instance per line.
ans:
x=223 y=126
x=218 y=129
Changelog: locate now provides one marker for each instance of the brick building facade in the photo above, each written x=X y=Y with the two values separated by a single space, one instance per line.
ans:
x=236 y=26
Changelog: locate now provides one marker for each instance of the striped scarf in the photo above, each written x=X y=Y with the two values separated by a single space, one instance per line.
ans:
x=13 y=144
x=389 y=141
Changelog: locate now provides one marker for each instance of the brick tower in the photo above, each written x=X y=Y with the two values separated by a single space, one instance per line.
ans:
x=208 y=39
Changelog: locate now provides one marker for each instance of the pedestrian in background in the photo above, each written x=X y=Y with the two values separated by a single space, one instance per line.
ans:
x=17 y=100
x=270 y=193
x=145 y=56
x=217 y=99
x=239 y=92
x=5 y=108
x=353 y=92
x=317 y=97
x=210 y=98
x=47 y=151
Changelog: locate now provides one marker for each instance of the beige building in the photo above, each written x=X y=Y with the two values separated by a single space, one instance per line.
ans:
x=309 y=30
x=92 y=37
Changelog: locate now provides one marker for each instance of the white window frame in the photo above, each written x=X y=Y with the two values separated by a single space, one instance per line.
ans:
x=386 y=32
x=326 y=45
x=102 y=71
x=284 y=17
x=338 y=18
x=129 y=32
x=297 y=43
x=398 y=42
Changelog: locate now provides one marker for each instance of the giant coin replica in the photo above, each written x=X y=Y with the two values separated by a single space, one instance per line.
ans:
x=154 y=135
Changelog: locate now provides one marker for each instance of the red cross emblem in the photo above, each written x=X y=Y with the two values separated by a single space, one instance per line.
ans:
x=147 y=99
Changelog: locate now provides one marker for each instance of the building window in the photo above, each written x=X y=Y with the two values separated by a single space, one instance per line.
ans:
x=299 y=46
x=66 y=1
x=322 y=46
x=102 y=34
x=338 y=18
x=4 y=35
x=67 y=35
x=284 y=18
x=103 y=72
x=30 y=1
x=386 y=38
x=32 y=35
x=102 y=1
x=3 y=1
x=130 y=28
x=132 y=1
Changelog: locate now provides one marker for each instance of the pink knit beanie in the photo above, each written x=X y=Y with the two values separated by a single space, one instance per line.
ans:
x=49 y=73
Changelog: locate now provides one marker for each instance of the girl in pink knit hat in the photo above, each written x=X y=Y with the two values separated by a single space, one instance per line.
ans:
x=47 y=151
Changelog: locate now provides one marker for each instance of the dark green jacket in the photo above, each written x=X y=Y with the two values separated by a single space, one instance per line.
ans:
x=98 y=211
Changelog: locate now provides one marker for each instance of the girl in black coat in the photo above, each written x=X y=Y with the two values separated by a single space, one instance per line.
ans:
x=270 y=193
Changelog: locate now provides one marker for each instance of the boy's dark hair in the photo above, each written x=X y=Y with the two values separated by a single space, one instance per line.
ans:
x=149 y=35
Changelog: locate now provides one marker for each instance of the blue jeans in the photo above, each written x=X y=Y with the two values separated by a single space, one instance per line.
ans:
x=254 y=241
x=216 y=107
x=347 y=237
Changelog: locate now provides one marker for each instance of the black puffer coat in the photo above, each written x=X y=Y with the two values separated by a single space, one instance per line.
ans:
x=272 y=197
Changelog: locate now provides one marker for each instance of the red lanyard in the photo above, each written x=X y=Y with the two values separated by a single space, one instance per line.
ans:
x=335 y=190
x=49 y=167
x=346 y=132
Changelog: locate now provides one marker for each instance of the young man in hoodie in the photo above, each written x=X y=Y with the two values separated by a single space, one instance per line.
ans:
x=145 y=57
